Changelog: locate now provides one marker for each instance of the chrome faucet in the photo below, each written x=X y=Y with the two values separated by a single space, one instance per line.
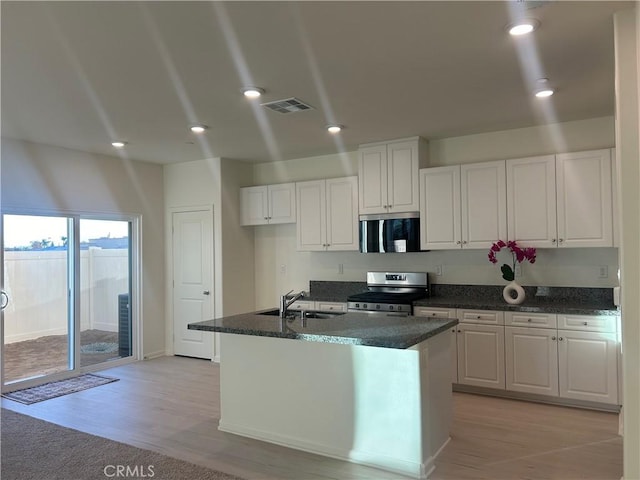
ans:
x=285 y=301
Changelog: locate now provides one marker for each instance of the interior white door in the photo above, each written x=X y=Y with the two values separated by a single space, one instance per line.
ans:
x=192 y=281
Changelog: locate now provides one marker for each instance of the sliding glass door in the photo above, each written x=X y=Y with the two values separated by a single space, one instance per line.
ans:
x=37 y=334
x=68 y=282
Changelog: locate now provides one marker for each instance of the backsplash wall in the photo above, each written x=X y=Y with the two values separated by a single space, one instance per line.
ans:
x=280 y=267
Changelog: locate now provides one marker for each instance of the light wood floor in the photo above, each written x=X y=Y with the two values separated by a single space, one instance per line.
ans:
x=171 y=405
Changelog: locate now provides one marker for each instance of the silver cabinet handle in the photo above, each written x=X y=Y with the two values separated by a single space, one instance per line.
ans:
x=561 y=240
x=5 y=300
x=560 y=338
x=458 y=242
x=585 y=323
x=553 y=240
x=553 y=338
x=206 y=292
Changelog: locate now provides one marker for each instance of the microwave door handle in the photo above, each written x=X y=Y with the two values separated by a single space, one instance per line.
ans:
x=382 y=231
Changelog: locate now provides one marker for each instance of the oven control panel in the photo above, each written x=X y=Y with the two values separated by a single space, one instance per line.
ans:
x=379 y=307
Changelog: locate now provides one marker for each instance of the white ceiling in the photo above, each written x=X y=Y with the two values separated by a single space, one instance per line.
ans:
x=81 y=74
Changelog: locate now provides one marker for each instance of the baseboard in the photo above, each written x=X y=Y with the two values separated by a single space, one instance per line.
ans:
x=375 y=460
x=531 y=397
x=152 y=355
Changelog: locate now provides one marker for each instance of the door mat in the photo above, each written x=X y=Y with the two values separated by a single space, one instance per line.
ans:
x=58 y=388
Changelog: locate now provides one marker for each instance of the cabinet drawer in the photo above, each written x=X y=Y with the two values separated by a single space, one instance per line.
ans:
x=588 y=323
x=523 y=319
x=302 y=305
x=331 y=306
x=434 y=312
x=488 y=317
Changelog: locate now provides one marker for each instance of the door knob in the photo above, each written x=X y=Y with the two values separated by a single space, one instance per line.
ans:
x=206 y=292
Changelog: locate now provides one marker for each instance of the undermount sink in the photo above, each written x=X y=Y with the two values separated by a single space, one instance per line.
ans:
x=292 y=314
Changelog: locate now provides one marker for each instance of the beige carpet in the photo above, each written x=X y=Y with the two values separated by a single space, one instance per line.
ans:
x=33 y=449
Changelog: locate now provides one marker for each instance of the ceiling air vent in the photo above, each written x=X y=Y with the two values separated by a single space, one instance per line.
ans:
x=288 y=105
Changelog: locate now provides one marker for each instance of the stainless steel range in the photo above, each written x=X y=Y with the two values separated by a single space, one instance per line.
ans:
x=390 y=293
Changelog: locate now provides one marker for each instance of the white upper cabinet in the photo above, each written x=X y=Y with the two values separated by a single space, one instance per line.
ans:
x=584 y=199
x=562 y=200
x=462 y=206
x=531 y=201
x=483 y=197
x=440 y=220
x=388 y=176
x=268 y=204
x=327 y=214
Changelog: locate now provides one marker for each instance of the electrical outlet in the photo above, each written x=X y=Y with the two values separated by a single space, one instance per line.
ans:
x=283 y=269
x=438 y=270
x=603 y=271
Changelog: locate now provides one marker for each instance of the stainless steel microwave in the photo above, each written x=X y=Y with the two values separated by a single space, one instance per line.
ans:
x=390 y=233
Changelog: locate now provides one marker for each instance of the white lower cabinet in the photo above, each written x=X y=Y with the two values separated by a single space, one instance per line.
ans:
x=302 y=305
x=588 y=360
x=319 y=306
x=331 y=306
x=444 y=313
x=480 y=348
x=531 y=360
x=578 y=360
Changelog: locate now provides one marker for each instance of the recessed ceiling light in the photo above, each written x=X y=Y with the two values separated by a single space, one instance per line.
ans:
x=118 y=144
x=253 y=92
x=547 y=92
x=334 y=128
x=523 y=27
x=198 y=128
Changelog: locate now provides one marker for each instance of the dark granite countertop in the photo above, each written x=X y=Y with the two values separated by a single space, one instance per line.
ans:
x=529 y=305
x=350 y=328
x=567 y=300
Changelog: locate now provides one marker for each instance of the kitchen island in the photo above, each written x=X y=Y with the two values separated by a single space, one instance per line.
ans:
x=374 y=390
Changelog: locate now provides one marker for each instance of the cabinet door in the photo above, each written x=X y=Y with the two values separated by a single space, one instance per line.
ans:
x=584 y=201
x=282 y=203
x=342 y=213
x=254 y=206
x=372 y=178
x=453 y=349
x=481 y=355
x=440 y=220
x=588 y=367
x=531 y=360
x=311 y=215
x=483 y=196
x=402 y=177
x=531 y=201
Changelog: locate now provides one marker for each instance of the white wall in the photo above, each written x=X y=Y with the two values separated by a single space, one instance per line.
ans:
x=591 y=134
x=47 y=179
x=627 y=46
x=276 y=244
x=199 y=183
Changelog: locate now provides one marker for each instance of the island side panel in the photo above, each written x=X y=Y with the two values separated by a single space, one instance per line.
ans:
x=363 y=404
